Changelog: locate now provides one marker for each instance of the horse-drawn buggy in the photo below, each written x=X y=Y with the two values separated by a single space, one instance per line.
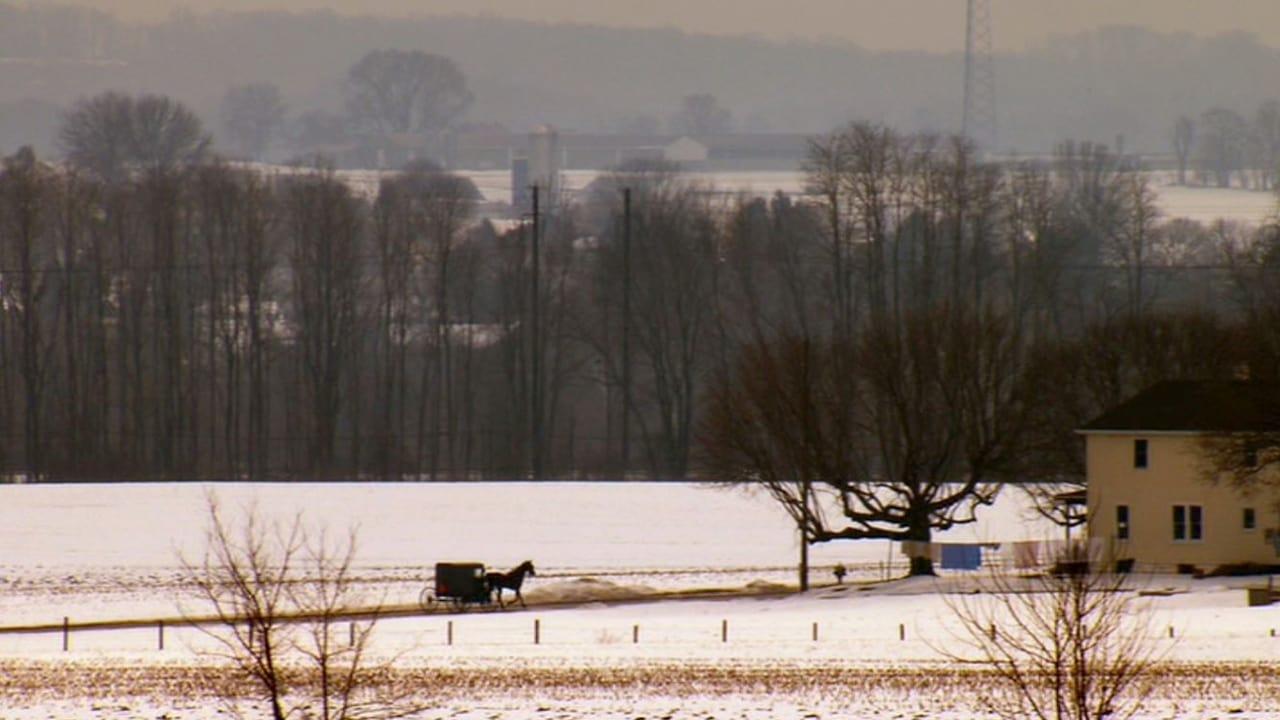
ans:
x=458 y=585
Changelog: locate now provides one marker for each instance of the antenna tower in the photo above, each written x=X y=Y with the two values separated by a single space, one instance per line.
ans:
x=979 y=123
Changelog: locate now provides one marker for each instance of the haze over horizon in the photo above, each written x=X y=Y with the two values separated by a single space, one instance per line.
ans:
x=933 y=25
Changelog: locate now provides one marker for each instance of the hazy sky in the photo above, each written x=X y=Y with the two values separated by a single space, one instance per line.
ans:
x=878 y=24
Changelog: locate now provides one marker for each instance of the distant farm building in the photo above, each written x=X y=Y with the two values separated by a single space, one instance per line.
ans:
x=489 y=150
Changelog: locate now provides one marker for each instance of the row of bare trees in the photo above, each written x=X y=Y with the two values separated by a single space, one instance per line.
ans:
x=204 y=321
x=1226 y=149
x=189 y=319
x=192 y=319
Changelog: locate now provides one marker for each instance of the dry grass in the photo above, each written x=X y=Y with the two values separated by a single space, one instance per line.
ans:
x=924 y=687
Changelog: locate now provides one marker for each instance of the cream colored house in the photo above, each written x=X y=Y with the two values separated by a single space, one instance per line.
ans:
x=1150 y=498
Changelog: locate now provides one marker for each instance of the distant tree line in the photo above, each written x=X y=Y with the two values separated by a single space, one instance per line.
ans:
x=1118 y=79
x=934 y=319
x=1226 y=149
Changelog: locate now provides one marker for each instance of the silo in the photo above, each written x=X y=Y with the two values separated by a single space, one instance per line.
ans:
x=544 y=160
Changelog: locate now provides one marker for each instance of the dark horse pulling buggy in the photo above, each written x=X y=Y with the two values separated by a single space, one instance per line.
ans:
x=461 y=584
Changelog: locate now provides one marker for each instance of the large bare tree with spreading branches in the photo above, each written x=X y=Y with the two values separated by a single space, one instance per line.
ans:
x=894 y=434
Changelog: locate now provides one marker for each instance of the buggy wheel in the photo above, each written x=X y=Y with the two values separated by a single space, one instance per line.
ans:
x=427 y=600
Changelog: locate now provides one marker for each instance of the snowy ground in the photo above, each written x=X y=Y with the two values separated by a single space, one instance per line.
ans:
x=1203 y=204
x=107 y=552
x=101 y=550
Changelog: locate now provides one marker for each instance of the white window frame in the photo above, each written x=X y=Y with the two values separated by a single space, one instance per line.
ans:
x=1186 y=523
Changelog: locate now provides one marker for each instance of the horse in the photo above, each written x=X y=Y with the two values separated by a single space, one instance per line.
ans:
x=498 y=581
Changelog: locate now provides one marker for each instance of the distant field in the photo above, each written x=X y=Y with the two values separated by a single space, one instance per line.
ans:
x=118 y=542
x=1203 y=204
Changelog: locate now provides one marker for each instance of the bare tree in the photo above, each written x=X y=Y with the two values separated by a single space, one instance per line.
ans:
x=325 y=224
x=439 y=204
x=389 y=91
x=700 y=114
x=895 y=434
x=277 y=593
x=166 y=134
x=111 y=133
x=419 y=219
x=25 y=253
x=1222 y=144
x=1072 y=645
x=97 y=134
x=344 y=678
x=674 y=291
x=244 y=579
x=1132 y=242
x=827 y=171
x=252 y=115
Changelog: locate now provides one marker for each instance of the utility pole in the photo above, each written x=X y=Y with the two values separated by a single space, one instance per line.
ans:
x=626 y=331
x=535 y=359
x=804 y=539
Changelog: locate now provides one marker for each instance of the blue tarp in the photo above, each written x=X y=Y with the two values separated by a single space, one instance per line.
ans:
x=961 y=556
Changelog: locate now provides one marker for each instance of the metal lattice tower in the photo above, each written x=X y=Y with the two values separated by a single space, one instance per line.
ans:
x=979 y=123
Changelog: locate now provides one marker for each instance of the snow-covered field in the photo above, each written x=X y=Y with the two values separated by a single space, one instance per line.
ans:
x=95 y=552
x=1203 y=204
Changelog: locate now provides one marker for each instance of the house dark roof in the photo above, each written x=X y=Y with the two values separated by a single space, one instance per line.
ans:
x=1196 y=406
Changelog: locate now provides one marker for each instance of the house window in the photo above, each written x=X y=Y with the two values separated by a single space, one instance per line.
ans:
x=1249 y=520
x=1122 y=522
x=1188 y=523
x=1140 y=453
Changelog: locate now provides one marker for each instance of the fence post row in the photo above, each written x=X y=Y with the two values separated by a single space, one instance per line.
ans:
x=992 y=631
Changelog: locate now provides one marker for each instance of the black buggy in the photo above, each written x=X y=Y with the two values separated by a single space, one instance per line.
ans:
x=456 y=585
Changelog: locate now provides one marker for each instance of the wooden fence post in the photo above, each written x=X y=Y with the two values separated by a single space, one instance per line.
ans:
x=635 y=634
x=537 y=631
x=160 y=632
x=66 y=633
x=724 y=631
x=449 y=632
